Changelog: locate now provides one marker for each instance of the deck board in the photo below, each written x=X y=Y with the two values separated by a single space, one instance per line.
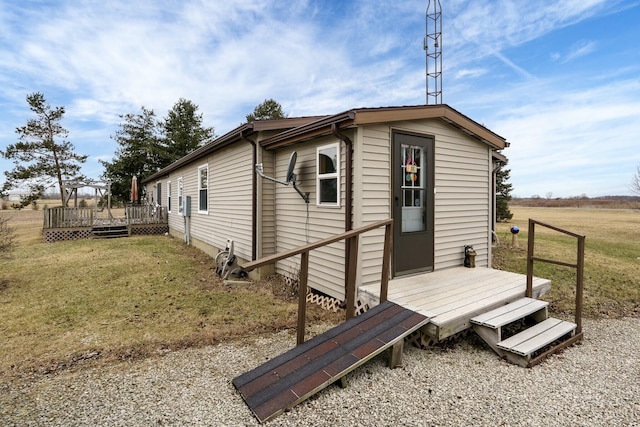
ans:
x=451 y=297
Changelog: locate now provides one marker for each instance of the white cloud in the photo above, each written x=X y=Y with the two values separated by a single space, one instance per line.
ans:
x=103 y=59
x=580 y=49
x=566 y=143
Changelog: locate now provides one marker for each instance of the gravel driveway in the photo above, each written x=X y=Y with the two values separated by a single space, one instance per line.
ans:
x=596 y=383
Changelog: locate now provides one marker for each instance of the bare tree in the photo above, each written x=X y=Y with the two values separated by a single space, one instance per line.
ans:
x=635 y=181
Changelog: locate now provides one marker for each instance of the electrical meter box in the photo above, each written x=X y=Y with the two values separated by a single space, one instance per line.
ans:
x=186 y=209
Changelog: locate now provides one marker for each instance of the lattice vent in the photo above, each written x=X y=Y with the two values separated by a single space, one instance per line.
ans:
x=61 y=234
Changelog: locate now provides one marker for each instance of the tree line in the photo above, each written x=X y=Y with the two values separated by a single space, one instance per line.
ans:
x=146 y=144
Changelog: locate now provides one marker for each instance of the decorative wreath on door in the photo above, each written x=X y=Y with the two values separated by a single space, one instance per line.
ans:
x=411 y=169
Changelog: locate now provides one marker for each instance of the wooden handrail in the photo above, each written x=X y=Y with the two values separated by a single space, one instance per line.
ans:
x=579 y=265
x=350 y=290
x=270 y=259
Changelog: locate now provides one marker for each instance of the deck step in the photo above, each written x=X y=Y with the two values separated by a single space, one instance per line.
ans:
x=536 y=337
x=512 y=312
x=294 y=376
x=110 y=231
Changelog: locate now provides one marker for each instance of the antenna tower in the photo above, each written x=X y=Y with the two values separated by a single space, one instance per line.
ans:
x=433 y=47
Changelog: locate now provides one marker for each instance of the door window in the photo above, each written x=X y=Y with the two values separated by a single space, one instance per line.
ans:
x=413 y=188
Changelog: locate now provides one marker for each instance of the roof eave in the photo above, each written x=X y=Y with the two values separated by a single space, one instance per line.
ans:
x=442 y=111
x=363 y=116
x=308 y=131
x=231 y=137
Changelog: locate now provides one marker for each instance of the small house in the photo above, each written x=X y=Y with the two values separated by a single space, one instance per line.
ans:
x=429 y=167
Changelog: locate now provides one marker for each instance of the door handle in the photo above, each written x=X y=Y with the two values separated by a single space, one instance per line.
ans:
x=397 y=199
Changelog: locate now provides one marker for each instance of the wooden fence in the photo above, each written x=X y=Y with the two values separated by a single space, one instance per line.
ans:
x=147 y=214
x=61 y=217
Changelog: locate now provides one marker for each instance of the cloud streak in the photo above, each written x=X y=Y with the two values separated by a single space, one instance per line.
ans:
x=104 y=59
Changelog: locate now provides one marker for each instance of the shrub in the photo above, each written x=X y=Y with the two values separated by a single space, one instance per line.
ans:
x=7 y=237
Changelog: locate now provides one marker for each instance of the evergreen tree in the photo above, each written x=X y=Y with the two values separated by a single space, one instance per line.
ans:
x=43 y=153
x=147 y=145
x=269 y=109
x=503 y=195
x=140 y=153
x=183 y=130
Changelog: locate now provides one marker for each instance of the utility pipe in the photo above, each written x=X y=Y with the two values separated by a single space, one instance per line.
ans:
x=254 y=199
x=348 y=220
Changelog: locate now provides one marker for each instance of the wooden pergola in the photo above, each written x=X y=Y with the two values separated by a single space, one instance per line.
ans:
x=100 y=188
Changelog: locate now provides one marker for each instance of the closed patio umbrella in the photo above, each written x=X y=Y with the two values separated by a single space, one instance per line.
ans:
x=134 y=189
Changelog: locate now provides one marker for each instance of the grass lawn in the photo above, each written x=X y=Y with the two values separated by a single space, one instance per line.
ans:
x=95 y=301
x=612 y=257
x=67 y=302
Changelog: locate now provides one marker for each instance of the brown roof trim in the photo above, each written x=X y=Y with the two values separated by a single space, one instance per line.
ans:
x=310 y=130
x=231 y=137
x=361 y=116
x=499 y=157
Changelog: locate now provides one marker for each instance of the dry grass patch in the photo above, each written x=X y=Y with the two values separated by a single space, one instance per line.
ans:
x=68 y=302
x=612 y=257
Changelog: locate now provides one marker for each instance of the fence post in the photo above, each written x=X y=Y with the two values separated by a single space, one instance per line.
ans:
x=302 y=296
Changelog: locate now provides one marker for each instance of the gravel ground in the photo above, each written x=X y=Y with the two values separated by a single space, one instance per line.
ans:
x=595 y=383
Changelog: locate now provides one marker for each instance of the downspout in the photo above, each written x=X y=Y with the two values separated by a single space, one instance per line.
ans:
x=254 y=198
x=348 y=220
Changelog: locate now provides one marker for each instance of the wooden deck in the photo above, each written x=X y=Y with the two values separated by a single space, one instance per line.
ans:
x=451 y=297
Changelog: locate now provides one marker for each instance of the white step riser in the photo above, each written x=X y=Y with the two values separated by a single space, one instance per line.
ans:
x=519 y=348
x=512 y=312
x=530 y=340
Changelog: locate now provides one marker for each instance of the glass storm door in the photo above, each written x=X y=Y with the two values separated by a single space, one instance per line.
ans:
x=413 y=182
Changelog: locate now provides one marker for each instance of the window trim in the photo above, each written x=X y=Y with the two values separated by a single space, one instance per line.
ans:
x=169 y=196
x=334 y=175
x=180 y=195
x=200 y=189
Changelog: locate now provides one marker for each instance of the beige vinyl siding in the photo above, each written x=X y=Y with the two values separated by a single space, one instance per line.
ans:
x=229 y=199
x=176 y=220
x=373 y=196
x=463 y=173
x=462 y=200
x=326 y=265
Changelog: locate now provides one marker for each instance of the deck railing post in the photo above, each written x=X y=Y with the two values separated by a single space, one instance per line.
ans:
x=302 y=296
x=386 y=262
x=530 y=248
x=351 y=239
x=579 y=266
x=352 y=269
x=579 y=284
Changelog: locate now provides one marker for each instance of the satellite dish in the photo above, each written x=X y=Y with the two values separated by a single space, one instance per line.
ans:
x=292 y=164
x=290 y=178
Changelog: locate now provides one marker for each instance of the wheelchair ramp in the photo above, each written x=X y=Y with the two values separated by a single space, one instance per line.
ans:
x=296 y=375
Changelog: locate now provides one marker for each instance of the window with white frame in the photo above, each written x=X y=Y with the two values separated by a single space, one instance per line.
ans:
x=168 y=196
x=180 y=194
x=203 y=188
x=328 y=175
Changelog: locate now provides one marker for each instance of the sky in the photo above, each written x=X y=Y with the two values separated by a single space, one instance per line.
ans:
x=560 y=80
